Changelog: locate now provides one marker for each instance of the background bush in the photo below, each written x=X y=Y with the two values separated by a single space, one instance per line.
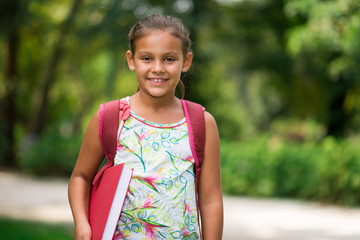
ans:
x=52 y=155
x=268 y=166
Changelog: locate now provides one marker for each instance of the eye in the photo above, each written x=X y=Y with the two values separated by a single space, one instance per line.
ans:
x=146 y=59
x=169 y=59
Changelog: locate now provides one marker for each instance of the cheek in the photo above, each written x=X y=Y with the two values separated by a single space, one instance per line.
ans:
x=139 y=75
x=176 y=68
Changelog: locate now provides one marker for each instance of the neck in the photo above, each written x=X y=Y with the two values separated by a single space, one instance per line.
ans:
x=165 y=110
x=153 y=103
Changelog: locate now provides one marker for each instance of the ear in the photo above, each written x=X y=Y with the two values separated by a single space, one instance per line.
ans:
x=130 y=60
x=187 y=61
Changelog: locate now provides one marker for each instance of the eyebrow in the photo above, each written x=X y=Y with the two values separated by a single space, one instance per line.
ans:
x=167 y=53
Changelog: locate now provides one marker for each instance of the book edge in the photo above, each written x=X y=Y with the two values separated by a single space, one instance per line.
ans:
x=115 y=209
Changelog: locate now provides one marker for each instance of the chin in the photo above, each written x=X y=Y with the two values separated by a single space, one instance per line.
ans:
x=160 y=94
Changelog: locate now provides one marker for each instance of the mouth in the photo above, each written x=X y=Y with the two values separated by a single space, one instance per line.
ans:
x=157 y=80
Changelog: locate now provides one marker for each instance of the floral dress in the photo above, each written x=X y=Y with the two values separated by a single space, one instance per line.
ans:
x=161 y=202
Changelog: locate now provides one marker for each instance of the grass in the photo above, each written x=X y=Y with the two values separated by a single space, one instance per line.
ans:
x=29 y=230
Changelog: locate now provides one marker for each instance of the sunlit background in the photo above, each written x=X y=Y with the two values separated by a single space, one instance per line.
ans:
x=281 y=77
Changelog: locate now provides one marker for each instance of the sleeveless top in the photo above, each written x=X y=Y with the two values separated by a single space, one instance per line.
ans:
x=161 y=201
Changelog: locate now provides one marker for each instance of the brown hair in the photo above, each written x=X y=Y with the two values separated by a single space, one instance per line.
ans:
x=164 y=23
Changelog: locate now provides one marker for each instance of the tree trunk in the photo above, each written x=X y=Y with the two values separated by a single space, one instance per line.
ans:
x=337 y=117
x=48 y=79
x=10 y=80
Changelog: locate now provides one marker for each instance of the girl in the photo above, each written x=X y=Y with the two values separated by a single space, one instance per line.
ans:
x=154 y=141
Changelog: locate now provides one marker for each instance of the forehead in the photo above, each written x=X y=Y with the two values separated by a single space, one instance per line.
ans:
x=159 y=41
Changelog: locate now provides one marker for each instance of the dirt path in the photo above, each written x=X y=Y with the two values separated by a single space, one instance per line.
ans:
x=264 y=219
x=24 y=197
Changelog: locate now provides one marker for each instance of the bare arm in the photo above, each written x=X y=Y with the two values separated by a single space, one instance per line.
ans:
x=210 y=193
x=89 y=159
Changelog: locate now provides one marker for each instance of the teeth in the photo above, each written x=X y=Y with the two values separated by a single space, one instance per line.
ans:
x=158 y=80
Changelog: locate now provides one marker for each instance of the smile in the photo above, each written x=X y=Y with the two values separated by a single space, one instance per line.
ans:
x=157 y=80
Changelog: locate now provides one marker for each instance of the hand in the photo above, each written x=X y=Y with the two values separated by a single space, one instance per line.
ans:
x=83 y=231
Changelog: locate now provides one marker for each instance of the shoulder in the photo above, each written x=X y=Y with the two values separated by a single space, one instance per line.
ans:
x=212 y=139
x=210 y=121
x=93 y=126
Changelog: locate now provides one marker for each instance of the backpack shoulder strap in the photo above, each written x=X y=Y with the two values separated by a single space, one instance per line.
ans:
x=108 y=125
x=194 y=114
x=195 y=118
x=197 y=122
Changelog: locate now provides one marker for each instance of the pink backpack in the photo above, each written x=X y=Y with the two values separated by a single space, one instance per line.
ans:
x=109 y=123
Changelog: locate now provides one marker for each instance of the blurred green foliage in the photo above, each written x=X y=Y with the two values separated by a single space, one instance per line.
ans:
x=20 y=229
x=263 y=68
x=51 y=155
x=286 y=165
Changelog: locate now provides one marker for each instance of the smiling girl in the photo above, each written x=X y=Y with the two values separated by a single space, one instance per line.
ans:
x=154 y=142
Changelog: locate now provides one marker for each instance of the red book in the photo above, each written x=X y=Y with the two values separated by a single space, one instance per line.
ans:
x=106 y=200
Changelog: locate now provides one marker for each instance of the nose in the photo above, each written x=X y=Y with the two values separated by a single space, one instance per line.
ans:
x=158 y=66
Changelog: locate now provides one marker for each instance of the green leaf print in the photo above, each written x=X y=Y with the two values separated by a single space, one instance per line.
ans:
x=182 y=137
x=172 y=160
x=150 y=185
x=131 y=191
x=125 y=216
x=126 y=213
x=191 y=236
x=179 y=192
x=153 y=224
x=122 y=143
x=173 y=141
x=132 y=152
x=138 y=138
x=191 y=173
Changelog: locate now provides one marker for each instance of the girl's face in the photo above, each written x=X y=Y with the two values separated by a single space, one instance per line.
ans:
x=158 y=60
